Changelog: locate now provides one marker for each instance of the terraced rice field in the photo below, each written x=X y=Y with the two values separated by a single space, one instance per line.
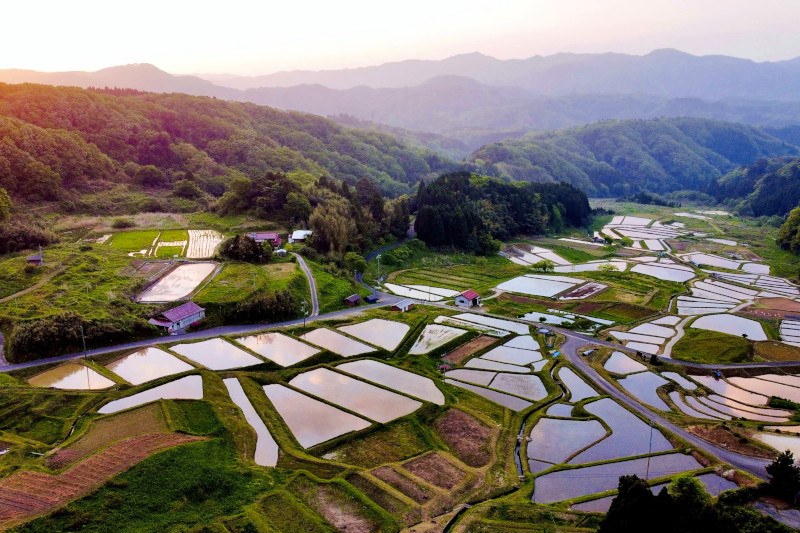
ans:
x=147 y=365
x=279 y=348
x=203 y=243
x=387 y=334
x=187 y=388
x=336 y=342
x=216 y=354
x=266 y=452
x=433 y=337
x=395 y=378
x=71 y=376
x=178 y=284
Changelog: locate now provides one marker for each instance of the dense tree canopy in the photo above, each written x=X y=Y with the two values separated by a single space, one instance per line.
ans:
x=765 y=188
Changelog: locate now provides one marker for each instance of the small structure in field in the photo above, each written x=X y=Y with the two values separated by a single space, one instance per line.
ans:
x=179 y=317
x=299 y=235
x=371 y=299
x=281 y=253
x=36 y=259
x=266 y=236
x=352 y=300
x=468 y=298
x=403 y=306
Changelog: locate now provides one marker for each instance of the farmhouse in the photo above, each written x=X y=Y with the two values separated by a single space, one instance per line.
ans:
x=352 y=300
x=180 y=317
x=468 y=298
x=403 y=306
x=299 y=235
x=270 y=237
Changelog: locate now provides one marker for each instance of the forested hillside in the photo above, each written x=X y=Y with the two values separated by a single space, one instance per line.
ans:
x=470 y=212
x=58 y=144
x=765 y=188
x=617 y=158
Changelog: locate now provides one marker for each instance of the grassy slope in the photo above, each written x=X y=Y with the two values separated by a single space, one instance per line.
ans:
x=133 y=241
x=332 y=289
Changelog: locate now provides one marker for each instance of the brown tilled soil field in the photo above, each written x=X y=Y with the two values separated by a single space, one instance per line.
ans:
x=26 y=493
x=735 y=442
x=467 y=437
x=143 y=421
x=588 y=307
x=436 y=470
x=335 y=505
x=403 y=484
x=776 y=351
x=468 y=348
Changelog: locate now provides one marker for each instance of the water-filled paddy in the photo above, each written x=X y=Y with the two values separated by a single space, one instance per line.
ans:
x=675 y=396
x=569 y=484
x=178 y=284
x=664 y=273
x=494 y=332
x=514 y=356
x=723 y=388
x=629 y=435
x=643 y=347
x=555 y=440
x=266 y=452
x=619 y=363
x=395 y=378
x=535 y=316
x=535 y=286
x=577 y=387
x=793 y=381
x=71 y=376
x=336 y=342
x=643 y=386
x=733 y=408
x=434 y=336
x=507 y=325
x=530 y=387
x=355 y=395
x=479 y=377
x=627 y=336
x=187 y=388
x=692 y=402
x=311 y=421
x=767 y=388
x=653 y=329
x=147 y=365
x=667 y=320
x=732 y=325
x=278 y=347
x=559 y=409
x=487 y=364
x=523 y=342
x=780 y=442
x=506 y=400
x=387 y=334
x=680 y=380
x=216 y=354
x=408 y=292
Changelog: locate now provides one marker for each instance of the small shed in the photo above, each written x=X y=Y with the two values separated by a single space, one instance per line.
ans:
x=299 y=235
x=35 y=260
x=266 y=236
x=352 y=300
x=281 y=253
x=371 y=299
x=468 y=298
x=179 y=317
x=403 y=306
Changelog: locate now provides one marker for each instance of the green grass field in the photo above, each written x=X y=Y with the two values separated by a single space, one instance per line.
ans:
x=168 y=252
x=174 y=235
x=701 y=346
x=14 y=276
x=333 y=289
x=133 y=241
x=236 y=280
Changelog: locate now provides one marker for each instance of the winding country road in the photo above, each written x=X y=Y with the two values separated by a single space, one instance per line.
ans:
x=312 y=284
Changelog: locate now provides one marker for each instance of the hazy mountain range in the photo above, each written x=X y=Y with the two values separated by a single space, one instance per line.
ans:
x=472 y=99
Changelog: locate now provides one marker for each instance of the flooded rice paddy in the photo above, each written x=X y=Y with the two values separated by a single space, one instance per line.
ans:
x=767 y=388
x=336 y=342
x=693 y=402
x=538 y=285
x=578 y=388
x=278 y=348
x=723 y=388
x=682 y=407
x=523 y=342
x=178 y=284
x=554 y=440
x=478 y=377
x=514 y=356
x=732 y=325
x=311 y=421
x=187 y=388
x=355 y=395
x=680 y=380
x=781 y=442
x=619 y=363
x=266 y=452
x=216 y=354
x=662 y=272
x=147 y=365
x=486 y=364
x=506 y=400
x=395 y=378
x=493 y=332
x=434 y=336
x=643 y=387
x=387 y=334
x=559 y=409
x=526 y=386
x=71 y=376
x=629 y=435
x=498 y=323
x=569 y=484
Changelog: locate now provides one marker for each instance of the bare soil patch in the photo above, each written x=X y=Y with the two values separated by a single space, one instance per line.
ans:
x=588 y=307
x=586 y=291
x=147 y=420
x=148 y=269
x=335 y=505
x=777 y=351
x=436 y=470
x=27 y=493
x=467 y=437
x=403 y=484
x=407 y=513
x=678 y=245
x=734 y=440
x=633 y=312
x=468 y=348
x=779 y=304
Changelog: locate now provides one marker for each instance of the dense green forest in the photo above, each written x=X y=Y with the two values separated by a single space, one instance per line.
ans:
x=767 y=187
x=470 y=212
x=619 y=158
x=123 y=150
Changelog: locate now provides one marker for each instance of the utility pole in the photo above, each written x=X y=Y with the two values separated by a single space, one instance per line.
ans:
x=379 y=265
x=305 y=313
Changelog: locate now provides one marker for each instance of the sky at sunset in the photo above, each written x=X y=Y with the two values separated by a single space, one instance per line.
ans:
x=261 y=37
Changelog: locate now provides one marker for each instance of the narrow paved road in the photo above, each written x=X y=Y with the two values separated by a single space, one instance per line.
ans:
x=312 y=284
x=570 y=348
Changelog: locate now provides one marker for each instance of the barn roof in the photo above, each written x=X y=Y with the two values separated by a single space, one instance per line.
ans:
x=265 y=235
x=470 y=294
x=353 y=298
x=182 y=311
x=404 y=303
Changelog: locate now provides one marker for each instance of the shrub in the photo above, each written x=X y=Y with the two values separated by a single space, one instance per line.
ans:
x=122 y=223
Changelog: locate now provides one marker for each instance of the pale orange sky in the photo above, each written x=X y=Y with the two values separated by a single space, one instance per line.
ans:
x=261 y=37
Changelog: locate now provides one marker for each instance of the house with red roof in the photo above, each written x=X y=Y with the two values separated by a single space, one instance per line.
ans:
x=268 y=236
x=180 y=317
x=468 y=298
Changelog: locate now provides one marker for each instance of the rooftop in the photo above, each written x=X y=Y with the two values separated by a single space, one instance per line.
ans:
x=182 y=311
x=470 y=294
